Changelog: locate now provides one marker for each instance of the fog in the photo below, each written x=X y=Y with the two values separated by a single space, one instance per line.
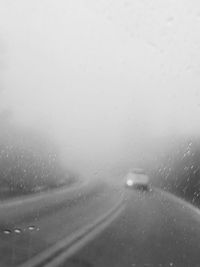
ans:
x=103 y=78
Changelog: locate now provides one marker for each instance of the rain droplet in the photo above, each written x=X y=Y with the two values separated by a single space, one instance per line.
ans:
x=17 y=231
x=7 y=232
x=31 y=228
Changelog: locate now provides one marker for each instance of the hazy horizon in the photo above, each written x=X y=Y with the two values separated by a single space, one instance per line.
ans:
x=102 y=77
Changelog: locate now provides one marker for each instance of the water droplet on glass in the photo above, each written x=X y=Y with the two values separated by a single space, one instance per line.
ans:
x=7 y=232
x=31 y=228
x=17 y=231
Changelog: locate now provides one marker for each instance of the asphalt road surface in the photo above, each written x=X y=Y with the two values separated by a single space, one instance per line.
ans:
x=26 y=233
x=105 y=227
x=153 y=229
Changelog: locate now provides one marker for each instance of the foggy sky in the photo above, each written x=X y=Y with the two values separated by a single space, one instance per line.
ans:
x=98 y=75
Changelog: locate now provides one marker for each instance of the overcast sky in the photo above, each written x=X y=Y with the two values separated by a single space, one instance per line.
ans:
x=98 y=73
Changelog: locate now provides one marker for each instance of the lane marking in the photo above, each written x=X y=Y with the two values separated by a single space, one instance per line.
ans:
x=69 y=244
x=85 y=239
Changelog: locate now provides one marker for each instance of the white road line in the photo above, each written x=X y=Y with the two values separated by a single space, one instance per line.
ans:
x=78 y=245
x=71 y=243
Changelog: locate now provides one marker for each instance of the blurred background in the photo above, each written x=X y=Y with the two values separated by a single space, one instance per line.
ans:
x=89 y=89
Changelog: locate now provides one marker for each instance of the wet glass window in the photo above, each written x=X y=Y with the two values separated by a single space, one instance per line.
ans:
x=99 y=133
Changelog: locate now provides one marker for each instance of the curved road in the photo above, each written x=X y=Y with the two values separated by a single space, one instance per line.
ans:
x=103 y=227
x=31 y=226
x=154 y=229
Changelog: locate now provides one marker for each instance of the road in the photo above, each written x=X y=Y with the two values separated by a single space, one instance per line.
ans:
x=153 y=229
x=105 y=227
x=30 y=226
